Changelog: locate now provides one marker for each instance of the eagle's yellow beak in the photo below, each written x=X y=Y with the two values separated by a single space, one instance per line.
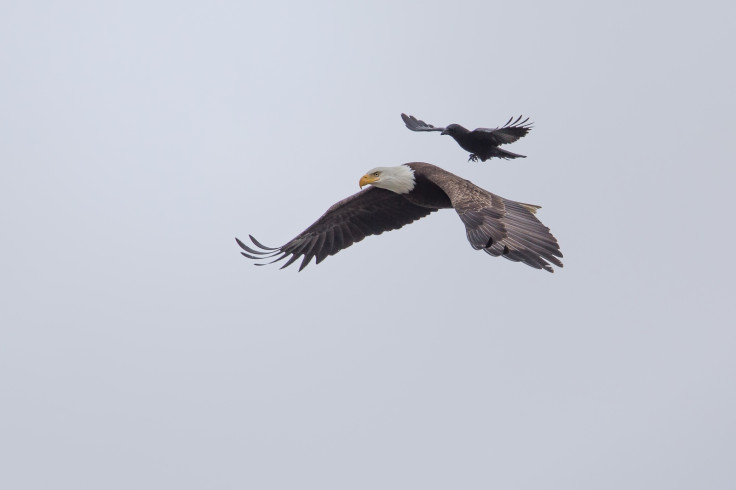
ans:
x=367 y=179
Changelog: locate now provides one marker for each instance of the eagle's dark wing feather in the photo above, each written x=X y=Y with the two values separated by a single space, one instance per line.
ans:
x=369 y=212
x=499 y=226
x=527 y=239
x=418 y=125
x=506 y=228
x=508 y=133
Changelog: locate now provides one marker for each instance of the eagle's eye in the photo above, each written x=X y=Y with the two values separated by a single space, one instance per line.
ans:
x=376 y=174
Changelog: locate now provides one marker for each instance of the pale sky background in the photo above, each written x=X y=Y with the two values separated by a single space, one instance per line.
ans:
x=139 y=350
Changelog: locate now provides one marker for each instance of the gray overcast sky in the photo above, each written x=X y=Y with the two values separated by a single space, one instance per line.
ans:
x=138 y=349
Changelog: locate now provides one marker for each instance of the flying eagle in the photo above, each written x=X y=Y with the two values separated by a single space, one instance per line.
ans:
x=482 y=143
x=405 y=193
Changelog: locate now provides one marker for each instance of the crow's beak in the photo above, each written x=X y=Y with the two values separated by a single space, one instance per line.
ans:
x=444 y=132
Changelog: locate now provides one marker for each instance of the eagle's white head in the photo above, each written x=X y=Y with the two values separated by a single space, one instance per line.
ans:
x=399 y=179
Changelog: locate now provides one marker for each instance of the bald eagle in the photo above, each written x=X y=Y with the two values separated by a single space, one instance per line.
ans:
x=482 y=143
x=405 y=193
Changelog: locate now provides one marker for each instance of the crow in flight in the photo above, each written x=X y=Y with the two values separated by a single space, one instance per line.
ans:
x=482 y=142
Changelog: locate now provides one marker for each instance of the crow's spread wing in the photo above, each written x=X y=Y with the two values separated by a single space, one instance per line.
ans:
x=417 y=125
x=508 y=133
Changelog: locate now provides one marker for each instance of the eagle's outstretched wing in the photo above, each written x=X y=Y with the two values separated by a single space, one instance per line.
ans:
x=499 y=226
x=368 y=212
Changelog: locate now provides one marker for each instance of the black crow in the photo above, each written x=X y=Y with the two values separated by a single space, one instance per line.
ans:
x=482 y=142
